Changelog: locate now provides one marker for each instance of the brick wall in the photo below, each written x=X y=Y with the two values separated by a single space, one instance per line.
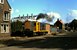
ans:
x=4 y=36
x=48 y=28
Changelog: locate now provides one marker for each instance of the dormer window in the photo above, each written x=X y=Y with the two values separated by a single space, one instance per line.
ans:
x=2 y=1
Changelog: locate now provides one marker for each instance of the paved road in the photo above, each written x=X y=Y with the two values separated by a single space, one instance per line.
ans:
x=47 y=42
x=17 y=48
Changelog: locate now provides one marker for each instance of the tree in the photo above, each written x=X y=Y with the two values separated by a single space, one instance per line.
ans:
x=16 y=26
x=73 y=24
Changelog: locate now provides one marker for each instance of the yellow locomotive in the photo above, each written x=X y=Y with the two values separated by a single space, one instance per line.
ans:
x=36 y=28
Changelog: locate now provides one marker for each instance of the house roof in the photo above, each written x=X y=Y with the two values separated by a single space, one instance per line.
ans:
x=61 y=21
x=8 y=4
x=58 y=22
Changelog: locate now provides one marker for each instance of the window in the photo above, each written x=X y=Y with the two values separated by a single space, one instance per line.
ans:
x=1 y=25
x=2 y=1
x=34 y=24
x=6 y=17
x=4 y=28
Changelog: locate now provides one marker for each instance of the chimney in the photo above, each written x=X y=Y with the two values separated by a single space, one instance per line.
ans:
x=23 y=15
x=19 y=18
x=27 y=16
x=58 y=19
x=32 y=15
x=19 y=15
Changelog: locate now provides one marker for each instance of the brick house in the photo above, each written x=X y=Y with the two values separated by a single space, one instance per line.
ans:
x=59 y=24
x=5 y=10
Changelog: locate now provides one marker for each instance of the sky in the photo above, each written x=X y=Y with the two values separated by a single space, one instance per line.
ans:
x=65 y=10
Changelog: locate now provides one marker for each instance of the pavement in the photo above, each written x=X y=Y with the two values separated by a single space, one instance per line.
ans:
x=17 y=48
x=47 y=42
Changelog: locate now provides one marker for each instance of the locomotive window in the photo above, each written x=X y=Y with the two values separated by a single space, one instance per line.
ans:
x=38 y=23
x=34 y=24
